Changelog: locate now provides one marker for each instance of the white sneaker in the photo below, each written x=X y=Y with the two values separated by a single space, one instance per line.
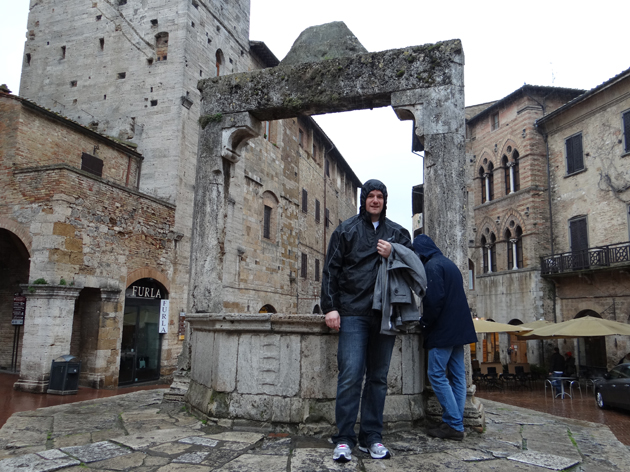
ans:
x=342 y=453
x=377 y=451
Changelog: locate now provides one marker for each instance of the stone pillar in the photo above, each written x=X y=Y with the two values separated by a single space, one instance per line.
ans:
x=47 y=332
x=109 y=338
x=219 y=147
x=439 y=119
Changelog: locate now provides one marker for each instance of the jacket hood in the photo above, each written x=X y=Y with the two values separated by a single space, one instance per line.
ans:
x=425 y=247
x=367 y=187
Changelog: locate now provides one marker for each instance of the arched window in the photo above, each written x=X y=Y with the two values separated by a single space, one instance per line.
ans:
x=484 y=251
x=506 y=173
x=487 y=182
x=219 y=61
x=493 y=253
x=161 y=46
x=514 y=247
x=267 y=309
x=270 y=217
x=515 y=172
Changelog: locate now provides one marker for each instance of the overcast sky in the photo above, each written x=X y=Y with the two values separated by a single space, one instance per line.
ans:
x=506 y=44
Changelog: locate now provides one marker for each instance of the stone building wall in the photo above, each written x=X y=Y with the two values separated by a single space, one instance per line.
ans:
x=599 y=193
x=87 y=231
x=506 y=294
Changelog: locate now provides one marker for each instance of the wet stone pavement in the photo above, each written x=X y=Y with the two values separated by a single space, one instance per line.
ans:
x=137 y=432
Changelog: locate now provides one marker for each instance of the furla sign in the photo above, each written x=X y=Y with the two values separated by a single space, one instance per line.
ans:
x=145 y=292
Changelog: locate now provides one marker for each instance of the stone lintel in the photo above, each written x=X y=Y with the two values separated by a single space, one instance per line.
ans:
x=50 y=291
x=341 y=84
x=259 y=322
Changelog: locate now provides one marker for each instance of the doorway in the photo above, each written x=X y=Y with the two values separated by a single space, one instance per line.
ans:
x=141 y=345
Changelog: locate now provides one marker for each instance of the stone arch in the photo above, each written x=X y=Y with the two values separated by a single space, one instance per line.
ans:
x=267 y=309
x=148 y=273
x=486 y=223
x=487 y=155
x=515 y=216
x=20 y=231
x=587 y=312
x=509 y=141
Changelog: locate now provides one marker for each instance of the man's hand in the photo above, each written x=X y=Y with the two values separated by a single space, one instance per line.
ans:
x=383 y=248
x=333 y=320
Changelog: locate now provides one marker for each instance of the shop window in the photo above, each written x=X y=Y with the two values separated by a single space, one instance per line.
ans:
x=575 y=157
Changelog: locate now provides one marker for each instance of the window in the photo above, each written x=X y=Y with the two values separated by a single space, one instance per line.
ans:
x=494 y=121
x=304 y=268
x=315 y=151
x=300 y=137
x=28 y=59
x=101 y=41
x=304 y=201
x=316 y=270
x=161 y=46
x=122 y=75
x=489 y=250
x=92 y=164
x=514 y=247
x=154 y=103
x=270 y=217
x=317 y=210
x=575 y=158
x=327 y=168
x=219 y=60
x=511 y=172
x=578 y=239
x=626 y=130
x=73 y=83
x=487 y=182
x=63 y=52
x=267 y=223
x=327 y=218
x=471 y=275
x=122 y=2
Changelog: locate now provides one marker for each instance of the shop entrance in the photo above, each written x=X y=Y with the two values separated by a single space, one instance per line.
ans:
x=141 y=340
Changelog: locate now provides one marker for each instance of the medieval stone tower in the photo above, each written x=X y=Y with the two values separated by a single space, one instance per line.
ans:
x=129 y=69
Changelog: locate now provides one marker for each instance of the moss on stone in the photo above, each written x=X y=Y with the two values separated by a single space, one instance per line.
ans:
x=207 y=119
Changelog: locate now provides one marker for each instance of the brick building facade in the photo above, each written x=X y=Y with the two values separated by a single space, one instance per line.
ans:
x=129 y=70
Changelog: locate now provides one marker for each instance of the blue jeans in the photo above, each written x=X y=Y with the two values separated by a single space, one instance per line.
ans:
x=450 y=389
x=362 y=351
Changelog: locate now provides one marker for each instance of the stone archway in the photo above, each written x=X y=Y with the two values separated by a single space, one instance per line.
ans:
x=284 y=371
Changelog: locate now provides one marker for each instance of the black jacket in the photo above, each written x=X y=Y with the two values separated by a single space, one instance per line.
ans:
x=352 y=262
x=446 y=319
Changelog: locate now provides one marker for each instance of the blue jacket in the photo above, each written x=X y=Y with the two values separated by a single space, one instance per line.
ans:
x=446 y=317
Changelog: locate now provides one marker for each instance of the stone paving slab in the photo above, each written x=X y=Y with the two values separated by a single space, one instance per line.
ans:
x=182 y=443
x=36 y=463
x=96 y=452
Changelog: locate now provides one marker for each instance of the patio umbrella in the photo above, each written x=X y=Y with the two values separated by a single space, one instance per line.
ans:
x=536 y=324
x=485 y=326
x=584 y=327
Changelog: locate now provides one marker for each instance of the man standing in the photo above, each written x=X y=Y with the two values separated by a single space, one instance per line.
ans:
x=350 y=271
x=447 y=326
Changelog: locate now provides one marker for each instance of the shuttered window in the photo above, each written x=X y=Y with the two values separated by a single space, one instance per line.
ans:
x=626 y=130
x=304 y=267
x=578 y=232
x=317 y=210
x=92 y=164
x=304 y=201
x=575 y=158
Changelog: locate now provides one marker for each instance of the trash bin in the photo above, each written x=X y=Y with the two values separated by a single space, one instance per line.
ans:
x=64 y=375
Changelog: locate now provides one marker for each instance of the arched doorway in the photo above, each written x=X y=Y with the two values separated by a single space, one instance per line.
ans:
x=317 y=310
x=14 y=271
x=141 y=343
x=517 y=349
x=591 y=351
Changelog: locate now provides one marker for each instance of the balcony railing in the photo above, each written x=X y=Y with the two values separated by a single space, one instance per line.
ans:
x=591 y=258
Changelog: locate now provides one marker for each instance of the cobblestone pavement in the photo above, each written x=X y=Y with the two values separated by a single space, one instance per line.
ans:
x=137 y=432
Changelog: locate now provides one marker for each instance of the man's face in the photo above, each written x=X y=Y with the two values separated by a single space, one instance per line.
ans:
x=374 y=203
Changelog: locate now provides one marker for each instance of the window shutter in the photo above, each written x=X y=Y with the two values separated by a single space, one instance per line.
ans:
x=92 y=164
x=579 y=234
x=626 y=130
x=575 y=159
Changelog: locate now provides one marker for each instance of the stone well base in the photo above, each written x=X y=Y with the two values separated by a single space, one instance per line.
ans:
x=279 y=372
